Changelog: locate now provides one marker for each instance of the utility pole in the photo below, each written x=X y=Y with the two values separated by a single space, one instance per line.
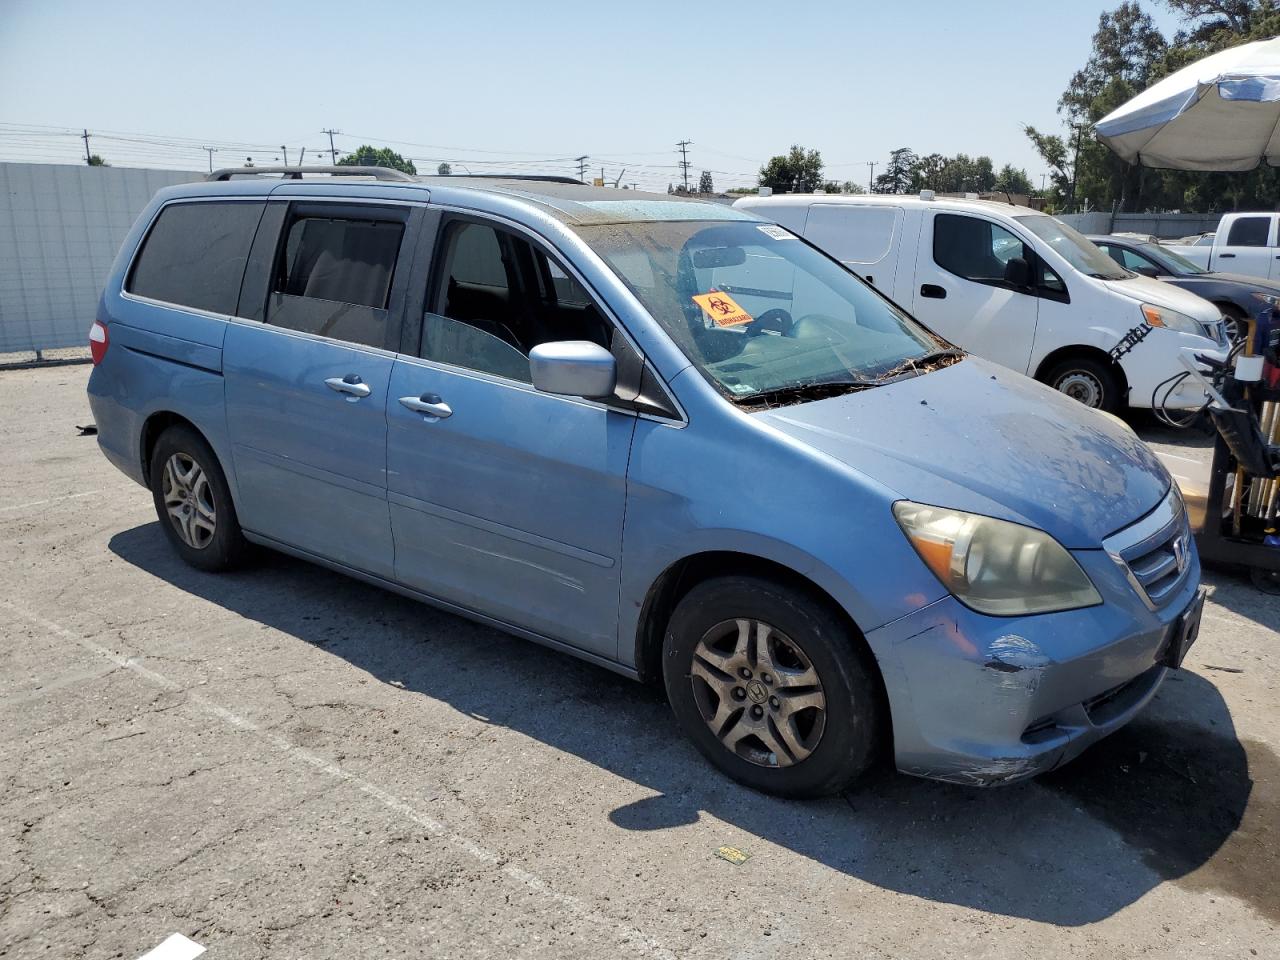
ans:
x=210 y=151
x=333 y=151
x=684 y=161
x=85 y=137
x=284 y=152
x=871 y=177
x=582 y=167
x=1075 y=167
x=301 y=152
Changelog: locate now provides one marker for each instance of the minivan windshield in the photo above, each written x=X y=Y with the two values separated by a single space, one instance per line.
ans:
x=760 y=312
x=1077 y=249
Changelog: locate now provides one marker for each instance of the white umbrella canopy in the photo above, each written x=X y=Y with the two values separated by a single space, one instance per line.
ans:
x=1220 y=114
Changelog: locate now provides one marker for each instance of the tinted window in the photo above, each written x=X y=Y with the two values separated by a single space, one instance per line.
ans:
x=195 y=254
x=496 y=297
x=974 y=249
x=1129 y=259
x=333 y=277
x=1249 y=232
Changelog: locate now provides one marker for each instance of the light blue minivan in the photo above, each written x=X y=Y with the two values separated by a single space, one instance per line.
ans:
x=662 y=435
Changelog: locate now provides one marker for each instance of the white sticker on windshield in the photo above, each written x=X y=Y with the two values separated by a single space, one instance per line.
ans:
x=775 y=231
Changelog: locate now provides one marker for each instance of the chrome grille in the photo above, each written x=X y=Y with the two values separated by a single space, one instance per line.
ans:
x=1155 y=552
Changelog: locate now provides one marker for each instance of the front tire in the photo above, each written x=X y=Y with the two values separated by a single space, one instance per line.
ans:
x=1087 y=380
x=193 y=501
x=769 y=684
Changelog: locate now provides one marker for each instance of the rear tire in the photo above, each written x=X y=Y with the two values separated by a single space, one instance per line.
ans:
x=1088 y=380
x=788 y=704
x=193 y=501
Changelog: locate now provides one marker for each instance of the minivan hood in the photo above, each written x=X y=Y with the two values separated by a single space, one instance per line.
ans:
x=1161 y=294
x=978 y=437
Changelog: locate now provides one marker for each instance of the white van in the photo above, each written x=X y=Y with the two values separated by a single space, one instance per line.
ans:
x=1018 y=287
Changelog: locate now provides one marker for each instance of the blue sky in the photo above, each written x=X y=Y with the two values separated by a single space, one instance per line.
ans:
x=528 y=85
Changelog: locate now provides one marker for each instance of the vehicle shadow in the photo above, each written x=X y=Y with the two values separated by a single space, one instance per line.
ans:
x=1170 y=797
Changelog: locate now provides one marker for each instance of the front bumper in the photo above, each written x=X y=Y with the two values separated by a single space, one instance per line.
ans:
x=986 y=700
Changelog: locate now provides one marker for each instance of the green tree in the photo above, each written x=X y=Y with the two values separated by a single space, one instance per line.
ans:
x=897 y=176
x=1013 y=179
x=797 y=171
x=850 y=187
x=97 y=161
x=367 y=156
x=704 y=183
x=444 y=170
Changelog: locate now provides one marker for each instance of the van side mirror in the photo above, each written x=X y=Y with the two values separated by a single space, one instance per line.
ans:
x=573 y=368
x=1017 y=273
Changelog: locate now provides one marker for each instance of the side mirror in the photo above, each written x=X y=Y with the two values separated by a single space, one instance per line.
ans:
x=573 y=368
x=1147 y=271
x=1017 y=273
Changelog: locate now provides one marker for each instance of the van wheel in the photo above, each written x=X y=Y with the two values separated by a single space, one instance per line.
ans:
x=770 y=686
x=193 y=502
x=1087 y=380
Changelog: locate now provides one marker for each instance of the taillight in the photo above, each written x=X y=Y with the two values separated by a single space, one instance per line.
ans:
x=98 y=342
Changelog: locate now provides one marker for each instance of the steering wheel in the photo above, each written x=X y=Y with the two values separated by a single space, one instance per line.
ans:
x=775 y=319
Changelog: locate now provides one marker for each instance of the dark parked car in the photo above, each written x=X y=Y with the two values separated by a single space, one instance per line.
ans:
x=1236 y=295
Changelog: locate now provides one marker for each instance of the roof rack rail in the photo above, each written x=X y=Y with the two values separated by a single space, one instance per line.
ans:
x=535 y=177
x=295 y=173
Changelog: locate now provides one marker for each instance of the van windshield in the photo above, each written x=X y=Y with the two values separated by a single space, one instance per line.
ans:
x=758 y=311
x=1077 y=249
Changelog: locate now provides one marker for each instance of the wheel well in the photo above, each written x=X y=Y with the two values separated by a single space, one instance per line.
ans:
x=1093 y=353
x=1226 y=306
x=155 y=425
x=683 y=575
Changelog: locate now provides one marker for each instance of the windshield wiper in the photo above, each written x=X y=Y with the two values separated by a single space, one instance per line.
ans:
x=796 y=392
x=921 y=364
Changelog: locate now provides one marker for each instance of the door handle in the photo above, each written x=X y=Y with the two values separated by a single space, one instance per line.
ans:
x=1226 y=256
x=933 y=292
x=351 y=385
x=429 y=404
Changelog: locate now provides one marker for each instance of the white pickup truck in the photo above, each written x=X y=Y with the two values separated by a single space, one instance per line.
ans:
x=1244 y=243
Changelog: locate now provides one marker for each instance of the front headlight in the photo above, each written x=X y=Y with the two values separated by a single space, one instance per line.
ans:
x=1170 y=319
x=993 y=566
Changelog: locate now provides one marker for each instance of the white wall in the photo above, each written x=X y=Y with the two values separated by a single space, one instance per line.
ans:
x=60 y=229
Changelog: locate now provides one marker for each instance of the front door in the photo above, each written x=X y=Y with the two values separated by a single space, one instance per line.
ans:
x=1248 y=247
x=504 y=500
x=306 y=390
x=960 y=289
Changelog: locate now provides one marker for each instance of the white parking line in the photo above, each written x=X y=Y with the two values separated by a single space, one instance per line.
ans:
x=634 y=940
x=41 y=503
x=174 y=947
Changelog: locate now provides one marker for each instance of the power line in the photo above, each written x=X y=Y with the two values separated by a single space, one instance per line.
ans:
x=582 y=167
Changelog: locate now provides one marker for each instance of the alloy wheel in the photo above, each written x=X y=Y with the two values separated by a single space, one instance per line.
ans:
x=758 y=692
x=188 y=499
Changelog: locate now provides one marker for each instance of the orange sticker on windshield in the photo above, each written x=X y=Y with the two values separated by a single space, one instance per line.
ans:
x=722 y=310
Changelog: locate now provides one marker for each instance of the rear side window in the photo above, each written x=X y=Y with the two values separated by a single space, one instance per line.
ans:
x=333 y=277
x=195 y=253
x=1249 y=232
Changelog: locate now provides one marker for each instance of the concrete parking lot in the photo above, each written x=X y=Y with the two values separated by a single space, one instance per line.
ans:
x=286 y=763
